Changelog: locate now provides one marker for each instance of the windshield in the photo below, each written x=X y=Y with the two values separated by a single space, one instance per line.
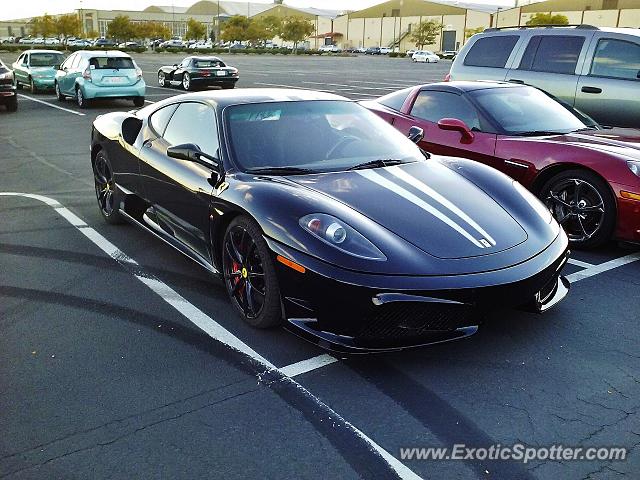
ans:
x=102 y=63
x=46 y=59
x=316 y=135
x=524 y=110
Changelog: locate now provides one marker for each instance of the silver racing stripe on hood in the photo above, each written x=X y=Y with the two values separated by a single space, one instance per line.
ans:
x=424 y=188
x=407 y=195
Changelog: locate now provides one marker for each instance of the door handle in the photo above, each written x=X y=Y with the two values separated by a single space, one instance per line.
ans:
x=515 y=80
x=591 y=90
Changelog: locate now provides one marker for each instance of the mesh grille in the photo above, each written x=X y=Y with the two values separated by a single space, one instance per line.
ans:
x=409 y=320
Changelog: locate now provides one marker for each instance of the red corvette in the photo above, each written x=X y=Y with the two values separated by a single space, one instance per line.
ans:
x=587 y=175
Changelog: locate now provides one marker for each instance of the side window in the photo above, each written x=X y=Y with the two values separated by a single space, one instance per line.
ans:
x=552 y=54
x=491 y=51
x=395 y=100
x=69 y=61
x=160 y=118
x=185 y=63
x=193 y=123
x=434 y=106
x=617 y=59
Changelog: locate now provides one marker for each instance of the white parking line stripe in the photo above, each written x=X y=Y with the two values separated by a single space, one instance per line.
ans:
x=603 y=267
x=148 y=101
x=210 y=326
x=579 y=263
x=308 y=365
x=51 y=105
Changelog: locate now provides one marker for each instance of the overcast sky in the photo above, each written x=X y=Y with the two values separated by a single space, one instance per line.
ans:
x=28 y=8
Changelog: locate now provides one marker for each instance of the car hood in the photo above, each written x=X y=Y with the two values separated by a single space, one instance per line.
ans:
x=427 y=204
x=619 y=141
x=49 y=71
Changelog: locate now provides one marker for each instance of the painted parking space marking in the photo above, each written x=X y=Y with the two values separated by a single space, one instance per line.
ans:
x=213 y=328
x=579 y=263
x=51 y=105
x=603 y=267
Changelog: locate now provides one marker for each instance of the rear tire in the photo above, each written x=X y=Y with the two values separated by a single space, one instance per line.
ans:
x=583 y=204
x=138 y=101
x=80 y=100
x=162 y=79
x=106 y=190
x=12 y=105
x=186 y=82
x=249 y=274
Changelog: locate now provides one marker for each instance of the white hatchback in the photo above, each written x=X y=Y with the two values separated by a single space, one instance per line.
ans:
x=425 y=56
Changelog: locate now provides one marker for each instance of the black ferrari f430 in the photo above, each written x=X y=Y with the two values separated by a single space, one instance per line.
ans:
x=317 y=214
x=198 y=72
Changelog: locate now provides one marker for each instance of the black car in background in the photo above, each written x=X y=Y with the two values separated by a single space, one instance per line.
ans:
x=373 y=51
x=291 y=197
x=8 y=95
x=198 y=71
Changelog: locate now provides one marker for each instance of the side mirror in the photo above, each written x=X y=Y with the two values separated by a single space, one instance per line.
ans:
x=175 y=64
x=56 y=67
x=416 y=134
x=192 y=153
x=456 y=125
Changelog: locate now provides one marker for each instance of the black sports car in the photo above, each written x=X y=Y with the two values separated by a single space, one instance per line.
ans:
x=198 y=72
x=8 y=95
x=317 y=213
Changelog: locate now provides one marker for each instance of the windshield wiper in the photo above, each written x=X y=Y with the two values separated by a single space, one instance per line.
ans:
x=537 y=133
x=281 y=170
x=376 y=164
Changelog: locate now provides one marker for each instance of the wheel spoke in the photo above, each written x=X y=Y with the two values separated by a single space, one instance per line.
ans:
x=554 y=198
x=577 y=191
x=237 y=256
x=586 y=235
x=249 y=295
x=562 y=220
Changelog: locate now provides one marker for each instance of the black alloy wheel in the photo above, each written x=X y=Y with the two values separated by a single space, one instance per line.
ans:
x=106 y=190
x=249 y=274
x=582 y=203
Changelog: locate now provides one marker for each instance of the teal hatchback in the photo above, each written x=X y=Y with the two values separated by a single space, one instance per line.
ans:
x=86 y=75
x=37 y=69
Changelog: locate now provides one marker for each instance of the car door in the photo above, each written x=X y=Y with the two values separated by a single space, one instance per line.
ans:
x=180 y=190
x=609 y=87
x=67 y=76
x=431 y=106
x=551 y=62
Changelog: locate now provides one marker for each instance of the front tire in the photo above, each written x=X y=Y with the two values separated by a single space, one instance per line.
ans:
x=106 y=190
x=162 y=79
x=186 y=82
x=59 y=95
x=583 y=204
x=249 y=274
x=32 y=86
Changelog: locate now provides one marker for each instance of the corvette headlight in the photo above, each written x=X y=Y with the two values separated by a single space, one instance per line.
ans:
x=534 y=201
x=340 y=235
x=634 y=166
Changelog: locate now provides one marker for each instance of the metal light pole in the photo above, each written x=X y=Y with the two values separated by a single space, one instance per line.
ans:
x=218 y=24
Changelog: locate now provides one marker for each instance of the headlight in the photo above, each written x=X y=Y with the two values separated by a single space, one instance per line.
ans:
x=537 y=205
x=6 y=76
x=634 y=166
x=340 y=235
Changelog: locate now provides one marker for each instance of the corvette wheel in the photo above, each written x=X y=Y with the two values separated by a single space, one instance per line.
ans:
x=186 y=82
x=162 y=79
x=583 y=205
x=249 y=274
x=106 y=190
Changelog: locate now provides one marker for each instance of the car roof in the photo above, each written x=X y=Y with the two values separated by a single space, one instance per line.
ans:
x=554 y=28
x=205 y=57
x=469 y=86
x=103 y=53
x=223 y=98
x=42 y=50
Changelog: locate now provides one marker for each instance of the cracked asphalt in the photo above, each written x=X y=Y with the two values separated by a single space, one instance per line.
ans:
x=99 y=378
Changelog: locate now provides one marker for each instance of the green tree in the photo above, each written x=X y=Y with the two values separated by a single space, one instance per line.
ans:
x=425 y=33
x=121 y=28
x=296 y=29
x=68 y=25
x=195 y=30
x=470 y=32
x=272 y=25
x=547 y=19
x=235 y=29
x=44 y=26
x=154 y=30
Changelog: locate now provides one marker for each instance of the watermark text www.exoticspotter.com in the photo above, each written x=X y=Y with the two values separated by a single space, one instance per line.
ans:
x=518 y=452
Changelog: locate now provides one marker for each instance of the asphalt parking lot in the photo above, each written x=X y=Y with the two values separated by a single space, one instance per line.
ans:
x=105 y=376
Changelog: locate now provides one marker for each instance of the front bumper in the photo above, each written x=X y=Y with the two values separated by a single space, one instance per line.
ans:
x=354 y=312
x=214 y=81
x=129 y=91
x=44 y=83
x=8 y=94
x=628 y=225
